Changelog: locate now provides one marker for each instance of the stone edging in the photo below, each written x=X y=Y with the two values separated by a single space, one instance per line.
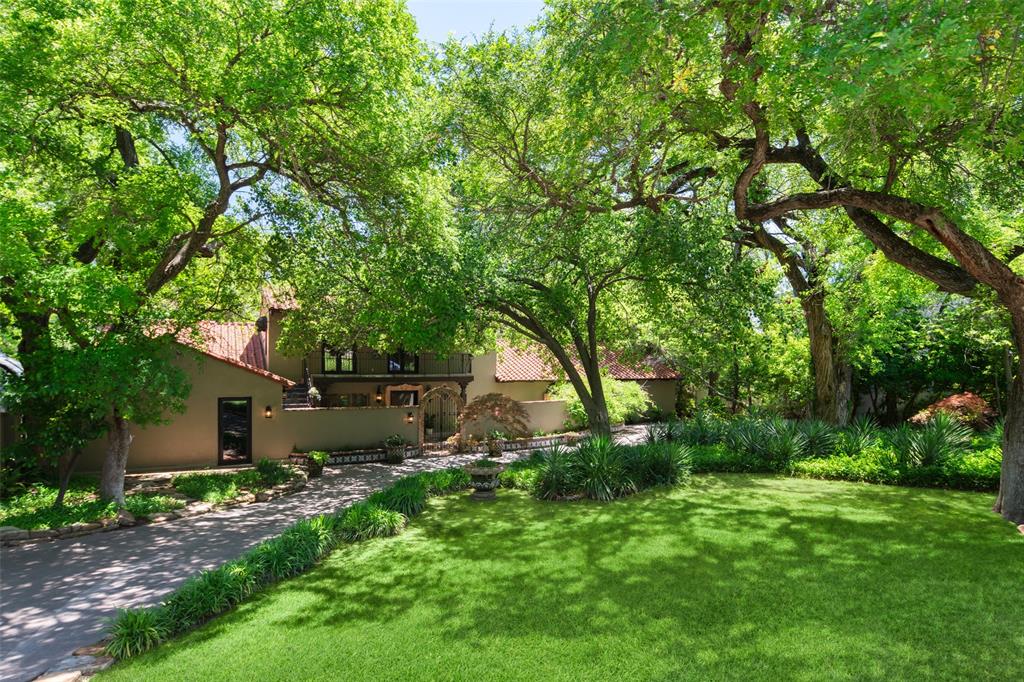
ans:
x=125 y=519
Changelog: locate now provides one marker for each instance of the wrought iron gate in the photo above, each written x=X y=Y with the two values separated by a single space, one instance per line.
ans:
x=440 y=408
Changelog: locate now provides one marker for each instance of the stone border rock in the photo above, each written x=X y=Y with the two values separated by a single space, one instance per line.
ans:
x=11 y=535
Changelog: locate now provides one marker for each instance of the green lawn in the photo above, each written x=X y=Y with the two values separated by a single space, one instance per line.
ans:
x=736 y=576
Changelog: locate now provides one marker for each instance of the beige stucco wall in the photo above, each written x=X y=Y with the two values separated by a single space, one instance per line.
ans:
x=190 y=439
x=546 y=415
x=283 y=365
x=341 y=428
x=663 y=393
x=484 y=368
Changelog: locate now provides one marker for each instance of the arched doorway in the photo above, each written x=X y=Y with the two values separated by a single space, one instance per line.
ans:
x=440 y=408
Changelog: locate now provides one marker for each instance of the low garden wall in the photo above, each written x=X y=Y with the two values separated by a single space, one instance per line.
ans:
x=350 y=428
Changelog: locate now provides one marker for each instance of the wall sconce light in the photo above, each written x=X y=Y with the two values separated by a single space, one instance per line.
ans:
x=268 y=412
x=379 y=397
x=409 y=419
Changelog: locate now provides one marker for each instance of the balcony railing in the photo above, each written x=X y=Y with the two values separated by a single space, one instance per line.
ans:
x=374 y=364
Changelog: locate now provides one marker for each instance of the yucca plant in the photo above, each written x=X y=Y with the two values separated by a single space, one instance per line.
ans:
x=783 y=442
x=555 y=475
x=859 y=436
x=136 y=630
x=703 y=429
x=900 y=439
x=941 y=438
x=600 y=469
x=820 y=437
x=657 y=464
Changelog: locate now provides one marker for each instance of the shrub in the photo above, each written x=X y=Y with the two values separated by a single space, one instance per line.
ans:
x=220 y=487
x=967 y=408
x=272 y=472
x=521 y=478
x=136 y=630
x=626 y=400
x=33 y=507
x=706 y=428
x=769 y=444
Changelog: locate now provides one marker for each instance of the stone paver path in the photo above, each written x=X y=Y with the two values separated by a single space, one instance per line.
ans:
x=56 y=596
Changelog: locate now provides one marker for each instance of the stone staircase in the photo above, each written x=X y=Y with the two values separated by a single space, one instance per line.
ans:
x=296 y=397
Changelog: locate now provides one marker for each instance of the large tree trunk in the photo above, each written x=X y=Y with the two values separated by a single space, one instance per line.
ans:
x=1010 y=501
x=119 y=440
x=831 y=372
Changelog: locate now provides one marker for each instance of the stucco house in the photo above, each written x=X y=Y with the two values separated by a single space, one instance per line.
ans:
x=249 y=401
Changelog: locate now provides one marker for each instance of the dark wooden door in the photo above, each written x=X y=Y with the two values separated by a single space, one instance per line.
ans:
x=234 y=430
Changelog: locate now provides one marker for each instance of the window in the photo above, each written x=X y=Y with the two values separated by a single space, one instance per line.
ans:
x=405 y=398
x=339 y=362
x=353 y=400
x=403 y=362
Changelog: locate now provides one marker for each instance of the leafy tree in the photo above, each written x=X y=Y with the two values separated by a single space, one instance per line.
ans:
x=903 y=116
x=138 y=138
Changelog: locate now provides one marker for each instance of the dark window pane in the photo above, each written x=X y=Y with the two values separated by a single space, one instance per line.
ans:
x=345 y=361
x=404 y=398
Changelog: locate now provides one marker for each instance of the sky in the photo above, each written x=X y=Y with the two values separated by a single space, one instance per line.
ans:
x=469 y=18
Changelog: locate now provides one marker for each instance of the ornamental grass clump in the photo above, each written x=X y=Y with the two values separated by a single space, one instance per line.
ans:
x=136 y=630
x=408 y=496
x=444 y=481
x=366 y=520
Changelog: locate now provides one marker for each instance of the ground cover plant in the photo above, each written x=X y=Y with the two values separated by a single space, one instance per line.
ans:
x=293 y=552
x=33 y=508
x=221 y=487
x=940 y=453
x=733 y=577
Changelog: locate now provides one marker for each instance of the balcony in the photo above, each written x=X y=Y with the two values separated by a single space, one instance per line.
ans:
x=362 y=364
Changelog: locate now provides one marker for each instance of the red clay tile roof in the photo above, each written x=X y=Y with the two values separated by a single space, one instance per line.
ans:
x=236 y=343
x=536 y=364
x=279 y=298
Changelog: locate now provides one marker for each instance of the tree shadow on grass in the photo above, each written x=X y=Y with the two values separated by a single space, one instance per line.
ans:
x=734 y=576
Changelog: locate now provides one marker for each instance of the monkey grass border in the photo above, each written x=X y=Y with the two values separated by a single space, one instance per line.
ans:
x=326 y=530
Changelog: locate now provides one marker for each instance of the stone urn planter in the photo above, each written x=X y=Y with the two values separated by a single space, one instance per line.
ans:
x=315 y=462
x=394 y=449
x=483 y=478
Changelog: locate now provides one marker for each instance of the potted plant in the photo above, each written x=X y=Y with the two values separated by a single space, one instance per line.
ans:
x=315 y=462
x=428 y=424
x=313 y=396
x=483 y=477
x=494 y=439
x=394 y=447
